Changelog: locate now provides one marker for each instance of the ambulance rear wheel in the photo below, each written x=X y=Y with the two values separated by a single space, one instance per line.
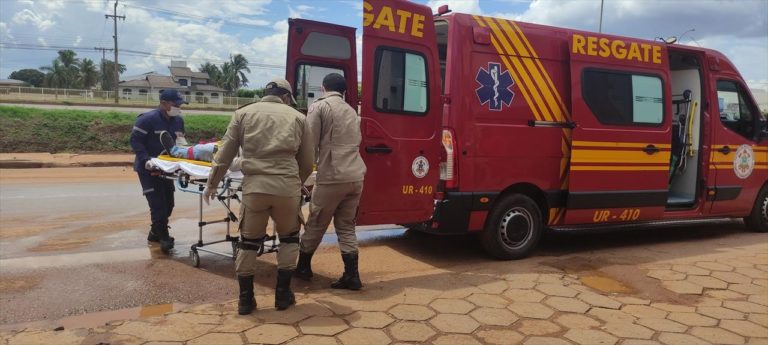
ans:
x=757 y=221
x=513 y=228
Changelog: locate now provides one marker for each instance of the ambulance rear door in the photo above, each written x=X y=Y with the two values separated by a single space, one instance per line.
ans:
x=620 y=158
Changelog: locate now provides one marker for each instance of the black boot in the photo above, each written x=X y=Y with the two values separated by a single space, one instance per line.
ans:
x=247 y=302
x=350 y=280
x=284 y=297
x=304 y=266
x=152 y=237
x=160 y=234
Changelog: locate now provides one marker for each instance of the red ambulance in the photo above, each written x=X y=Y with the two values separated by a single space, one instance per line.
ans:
x=508 y=129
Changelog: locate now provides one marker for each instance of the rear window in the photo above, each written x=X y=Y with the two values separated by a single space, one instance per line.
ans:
x=326 y=46
x=401 y=82
x=620 y=98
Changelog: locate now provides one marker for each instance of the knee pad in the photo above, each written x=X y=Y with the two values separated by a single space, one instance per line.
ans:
x=291 y=238
x=250 y=244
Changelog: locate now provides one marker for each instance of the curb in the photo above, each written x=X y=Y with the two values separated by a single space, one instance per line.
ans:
x=26 y=164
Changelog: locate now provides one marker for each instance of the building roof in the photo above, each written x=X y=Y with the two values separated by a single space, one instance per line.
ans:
x=180 y=71
x=163 y=81
x=12 y=82
x=202 y=87
x=135 y=83
x=201 y=75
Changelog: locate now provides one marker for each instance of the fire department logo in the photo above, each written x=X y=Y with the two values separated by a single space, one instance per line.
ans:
x=420 y=167
x=494 y=87
x=744 y=161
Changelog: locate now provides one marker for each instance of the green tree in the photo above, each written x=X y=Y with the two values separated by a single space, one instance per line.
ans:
x=89 y=75
x=28 y=75
x=213 y=72
x=56 y=74
x=239 y=65
x=108 y=75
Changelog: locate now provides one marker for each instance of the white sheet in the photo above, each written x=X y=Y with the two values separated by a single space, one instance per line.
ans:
x=193 y=170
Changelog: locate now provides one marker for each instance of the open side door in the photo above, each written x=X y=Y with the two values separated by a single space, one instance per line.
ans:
x=620 y=158
x=401 y=113
x=316 y=49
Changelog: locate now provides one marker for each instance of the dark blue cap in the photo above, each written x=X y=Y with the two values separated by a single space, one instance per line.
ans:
x=172 y=96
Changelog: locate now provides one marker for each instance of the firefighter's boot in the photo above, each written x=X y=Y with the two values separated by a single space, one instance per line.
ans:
x=350 y=280
x=160 y=235
x=284 y=297
x=304 y=266
x=247 y=302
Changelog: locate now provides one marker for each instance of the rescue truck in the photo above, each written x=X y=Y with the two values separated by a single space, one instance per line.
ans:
x=473 y=124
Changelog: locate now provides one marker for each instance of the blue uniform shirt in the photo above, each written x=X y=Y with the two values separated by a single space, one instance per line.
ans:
x=145 y=137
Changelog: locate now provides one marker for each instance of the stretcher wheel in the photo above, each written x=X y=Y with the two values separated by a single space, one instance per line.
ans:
x=195 y=258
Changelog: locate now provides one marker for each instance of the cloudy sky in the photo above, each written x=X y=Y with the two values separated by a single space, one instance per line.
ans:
x=155 y=32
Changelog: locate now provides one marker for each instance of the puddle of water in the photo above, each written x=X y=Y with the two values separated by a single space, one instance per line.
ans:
x=605 y=284
x=91 y=320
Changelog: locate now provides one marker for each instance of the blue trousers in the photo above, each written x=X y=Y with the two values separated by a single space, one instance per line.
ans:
x=159 y=194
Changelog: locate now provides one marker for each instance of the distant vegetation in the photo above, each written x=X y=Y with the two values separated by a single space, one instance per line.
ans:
x=43 y=130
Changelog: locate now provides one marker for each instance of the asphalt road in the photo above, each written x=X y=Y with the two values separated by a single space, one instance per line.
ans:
x=136 y=110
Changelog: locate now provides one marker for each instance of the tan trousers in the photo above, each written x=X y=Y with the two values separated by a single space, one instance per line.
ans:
x=338 y=201
x=255 y=212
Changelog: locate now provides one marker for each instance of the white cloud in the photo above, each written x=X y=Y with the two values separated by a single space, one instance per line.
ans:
x=5 y=32
x=77 y=40
x=27 y=16
x=42 y=41
x=462 y=6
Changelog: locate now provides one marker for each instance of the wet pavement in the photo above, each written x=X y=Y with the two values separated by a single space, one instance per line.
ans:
x=73 y=254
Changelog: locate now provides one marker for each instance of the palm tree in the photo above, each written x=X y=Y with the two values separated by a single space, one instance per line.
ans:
x=239 y=65
x=227 y=79
x=70 y=64
x=214 y=73
x=56 y=76
x=88 y=73
x=108 y=74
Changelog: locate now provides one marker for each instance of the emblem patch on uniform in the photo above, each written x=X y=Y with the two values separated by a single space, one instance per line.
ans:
x=744 y=161
x=494 y=87
x=420 y=167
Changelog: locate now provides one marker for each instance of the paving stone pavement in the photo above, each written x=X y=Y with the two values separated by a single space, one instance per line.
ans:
x=719 y=298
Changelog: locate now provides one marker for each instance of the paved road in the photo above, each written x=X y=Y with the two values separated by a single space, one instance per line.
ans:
x=68 y=249
x=136 y=110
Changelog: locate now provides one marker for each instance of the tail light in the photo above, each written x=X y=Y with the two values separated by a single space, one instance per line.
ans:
x=449 y=167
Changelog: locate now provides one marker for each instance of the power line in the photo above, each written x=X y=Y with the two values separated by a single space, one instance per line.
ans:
x=194 y=16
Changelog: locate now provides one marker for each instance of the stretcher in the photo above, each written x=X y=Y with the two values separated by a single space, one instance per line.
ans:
x=191 y=177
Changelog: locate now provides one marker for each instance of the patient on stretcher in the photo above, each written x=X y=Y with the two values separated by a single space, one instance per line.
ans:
x=198 y=152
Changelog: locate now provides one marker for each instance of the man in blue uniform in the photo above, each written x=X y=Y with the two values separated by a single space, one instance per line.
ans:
x=145 y=142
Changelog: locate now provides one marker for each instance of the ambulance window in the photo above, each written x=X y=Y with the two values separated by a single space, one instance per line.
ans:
x=401 y=82
x=326 y=46
x=734 y=108
x=618 y=98
x=309 y=79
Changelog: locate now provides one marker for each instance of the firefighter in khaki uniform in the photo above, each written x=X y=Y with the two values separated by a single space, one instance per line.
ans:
x=335 y=127
x=276 y=160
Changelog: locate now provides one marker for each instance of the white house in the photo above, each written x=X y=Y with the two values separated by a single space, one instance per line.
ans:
x=195 y=86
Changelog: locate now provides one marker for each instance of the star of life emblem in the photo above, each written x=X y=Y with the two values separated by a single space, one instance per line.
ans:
x=494 y=87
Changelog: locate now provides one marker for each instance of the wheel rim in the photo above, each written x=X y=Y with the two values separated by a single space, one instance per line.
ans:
x=516 y=227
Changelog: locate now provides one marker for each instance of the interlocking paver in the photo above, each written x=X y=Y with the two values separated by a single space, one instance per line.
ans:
x=462 y=292
x=761 y=282
x=751 y=272
x=566 y=304
x=643 y=311
x=411 y=331
x=734 y=262
x=609 y=315
x=556 y=290
x=707 y=282
x=745 y=307
x=683 y=287
x=522 y=295
x=690 y=270
x=236 y=324
x=628 y=330
x=639 y=342
x=666 y=275
x=674 y=307
x=718 y=335
x=748 y=289
x=454 y=323
x=545 y=341
x=633 y=300
x=760 y=319
x=314 y=340
x=322 y=325
x=456 y=339
x=494 y=287
x=421 y=296
x=531 y=310
x=452 y=306
x=577 y=321
x=692 y=319
x=369 y=319
x=720 y=313
x=681 y=339
x=487 y=300
x=732 y=277
x=163 y=330
x=714 y=266
x=411 y=312
x=709 y=302
x=724 y=294
x=217 y=338
x=662 y=325
x=48 y=337
x=499 y=336
x=538 y=327
x=521 y=284
x=271 y=334
x=590 y=337
x=494 y=316
x=598 y=300
x=745 y=328
x=550 y=278
x=364 y=336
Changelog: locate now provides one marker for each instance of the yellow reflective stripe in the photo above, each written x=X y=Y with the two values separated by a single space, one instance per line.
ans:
x=521 y=71
x=619 y=156
x=618 y=168
x=618 y=144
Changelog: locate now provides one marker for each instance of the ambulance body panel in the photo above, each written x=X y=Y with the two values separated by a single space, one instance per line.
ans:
x=479 y=124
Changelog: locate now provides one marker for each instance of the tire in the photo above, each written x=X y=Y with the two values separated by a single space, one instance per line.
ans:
x=757 y=221
x=513 y=228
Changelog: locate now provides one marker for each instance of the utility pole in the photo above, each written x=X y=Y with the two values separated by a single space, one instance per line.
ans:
x=117 y=64
x=600 y=28
x=103 y=57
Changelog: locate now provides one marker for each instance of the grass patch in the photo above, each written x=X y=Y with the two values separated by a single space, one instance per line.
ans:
x=53 y=130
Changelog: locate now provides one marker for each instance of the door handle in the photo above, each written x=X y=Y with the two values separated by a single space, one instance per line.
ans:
x=724 y=150
x=651 y=149
x=378 y=149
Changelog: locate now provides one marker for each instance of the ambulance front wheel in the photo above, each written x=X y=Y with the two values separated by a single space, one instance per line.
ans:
x=513 y=228
x=758 y=220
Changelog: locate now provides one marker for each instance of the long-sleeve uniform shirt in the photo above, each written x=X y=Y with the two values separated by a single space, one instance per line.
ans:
x=145 y=137
x=276 y=148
